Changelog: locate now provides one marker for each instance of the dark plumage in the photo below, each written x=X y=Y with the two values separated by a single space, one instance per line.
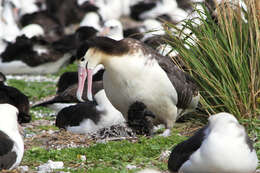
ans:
x=51 y=25
x=134 y=33
x=16 y=98
x=82 y=49
x=7 y=156
x=80 y=111
x=108 y=45
x=66 y=80
x=165 y=18
x=68 y=92
x=155 y=41
x=88 y=7
x=185 y=86
x=85 y=32
x=139 y=8
x=23 y=50
x=67 y=12
x=70 y=78
x=140 y=119
x=182 y=152
x=185 y=5
x=74 y=43
x=66 y=43
x=2 y=79
x=249 y=143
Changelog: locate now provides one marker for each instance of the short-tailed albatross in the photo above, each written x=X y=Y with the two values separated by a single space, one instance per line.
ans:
x=135 y=72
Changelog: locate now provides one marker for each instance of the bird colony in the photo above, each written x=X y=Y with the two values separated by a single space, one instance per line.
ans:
x=126 y=84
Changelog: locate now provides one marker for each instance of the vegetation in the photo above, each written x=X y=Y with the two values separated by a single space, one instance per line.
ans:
x=34 y=90
x=114 y=156
x=225 y=61
x=111 y=157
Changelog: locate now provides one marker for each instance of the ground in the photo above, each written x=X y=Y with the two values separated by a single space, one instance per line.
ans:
x=82 y=153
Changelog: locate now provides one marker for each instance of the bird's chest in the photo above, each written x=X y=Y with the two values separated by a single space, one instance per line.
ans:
x=121 y=92
x=125 y=84
x=220 y=150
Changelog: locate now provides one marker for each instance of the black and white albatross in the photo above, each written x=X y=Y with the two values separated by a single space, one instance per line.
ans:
x=11 y=141
x=135 y=72
x=221 y=146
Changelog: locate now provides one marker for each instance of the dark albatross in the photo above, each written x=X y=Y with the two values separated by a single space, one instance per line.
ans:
x=135 y=72
x=16 y=98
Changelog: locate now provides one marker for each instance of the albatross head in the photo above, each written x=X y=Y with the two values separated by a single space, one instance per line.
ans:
x=112 y=29
x=87 y=68
x=100 y=50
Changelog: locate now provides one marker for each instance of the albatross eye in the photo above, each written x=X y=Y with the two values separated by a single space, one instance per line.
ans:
x=112 y=27
x=82 y=59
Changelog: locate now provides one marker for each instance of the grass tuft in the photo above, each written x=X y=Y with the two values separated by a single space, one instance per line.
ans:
x=225 y=61
x=34 y=90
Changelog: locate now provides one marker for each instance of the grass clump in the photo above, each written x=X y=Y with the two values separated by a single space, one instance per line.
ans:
x=34 y=90
x=225 y=61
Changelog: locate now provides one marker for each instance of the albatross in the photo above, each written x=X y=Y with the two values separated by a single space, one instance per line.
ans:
x=11 y=141
x=89 y=116
x=221 y=146
x=133 y=73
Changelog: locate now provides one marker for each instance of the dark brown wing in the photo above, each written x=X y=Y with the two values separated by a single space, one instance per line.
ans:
x=16 y=98
x=74 y=115
x=182 y=81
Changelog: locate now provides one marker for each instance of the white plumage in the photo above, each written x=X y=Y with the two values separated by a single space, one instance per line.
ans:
x=133 y=74
x=222 y=146
x=9 y=126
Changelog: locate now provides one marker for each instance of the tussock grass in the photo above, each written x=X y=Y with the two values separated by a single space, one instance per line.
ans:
x=226 y=58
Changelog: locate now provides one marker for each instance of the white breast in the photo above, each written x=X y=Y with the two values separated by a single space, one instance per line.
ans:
x=222 y=153
x=131 y=79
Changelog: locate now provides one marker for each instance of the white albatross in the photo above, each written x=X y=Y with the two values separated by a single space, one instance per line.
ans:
x=222 y=146
x=132 y=73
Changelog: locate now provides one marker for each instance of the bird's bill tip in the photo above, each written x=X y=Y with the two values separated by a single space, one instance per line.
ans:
x=82 y=74
x=79 y=97
x=90 y=74
x=90 y=97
